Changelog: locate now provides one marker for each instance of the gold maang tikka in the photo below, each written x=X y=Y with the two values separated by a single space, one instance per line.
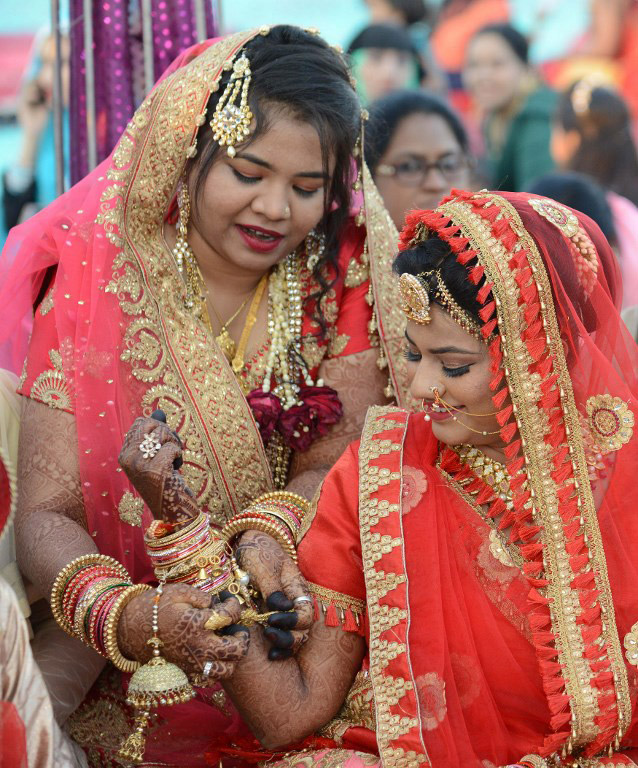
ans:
x=415 y=294
x=231 y=121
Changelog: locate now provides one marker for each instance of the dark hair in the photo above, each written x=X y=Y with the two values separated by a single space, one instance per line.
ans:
x=298 y=73
x=607 y=151
x=435 y=253
x=581 y=193
x=516 y=41
x=412 y=11
x=387 y=36
x=387 y=112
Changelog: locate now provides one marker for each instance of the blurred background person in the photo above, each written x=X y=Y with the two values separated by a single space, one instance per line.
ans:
x=417 y=17
x=592 y=134
x=455 y=25
x=28 y=183
x=383 y=58
x=417 y=149
x=515 y=105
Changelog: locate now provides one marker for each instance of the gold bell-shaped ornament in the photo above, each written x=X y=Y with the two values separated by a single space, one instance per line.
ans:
x=154 y=684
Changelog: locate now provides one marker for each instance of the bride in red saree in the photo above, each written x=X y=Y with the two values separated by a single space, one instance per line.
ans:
x=482 y=544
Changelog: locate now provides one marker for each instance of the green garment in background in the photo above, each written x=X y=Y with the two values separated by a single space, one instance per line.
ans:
x=525 y=152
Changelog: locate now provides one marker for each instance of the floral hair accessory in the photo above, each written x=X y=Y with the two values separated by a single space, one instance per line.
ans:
x=415 y=293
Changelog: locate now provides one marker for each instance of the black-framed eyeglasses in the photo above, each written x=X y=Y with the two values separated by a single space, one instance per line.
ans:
x=413 y=171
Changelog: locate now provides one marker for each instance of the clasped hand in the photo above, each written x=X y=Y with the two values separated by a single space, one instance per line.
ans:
x=184 y=610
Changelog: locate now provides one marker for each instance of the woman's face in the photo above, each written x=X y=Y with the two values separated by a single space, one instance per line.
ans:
x=493 y=72
x=257 y=207
x=383 y=70
x=422 y=163
x=442 y=355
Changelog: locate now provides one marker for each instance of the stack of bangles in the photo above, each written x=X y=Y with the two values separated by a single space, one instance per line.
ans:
x=87 y=599
x=280 y=514
x=193 y=555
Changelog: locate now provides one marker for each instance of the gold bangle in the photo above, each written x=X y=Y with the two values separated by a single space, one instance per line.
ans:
x=233 y=527
x=175 y=537
x=86 y=603
x=113 y=652
x=63 y=577
x=271 y=509
x=286 y=496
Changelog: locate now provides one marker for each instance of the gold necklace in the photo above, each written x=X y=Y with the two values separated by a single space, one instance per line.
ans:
x=196 y=300
x=223 y=338
x=491 y=471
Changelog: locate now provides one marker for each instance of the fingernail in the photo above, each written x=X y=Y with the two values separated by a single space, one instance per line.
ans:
x=283 y=620
x=279 y=637
x=159 y=415
x=279 y=654
x=277 y=601
x=234 y=629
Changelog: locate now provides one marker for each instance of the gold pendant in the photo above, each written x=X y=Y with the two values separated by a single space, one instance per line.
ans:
x=226 y=344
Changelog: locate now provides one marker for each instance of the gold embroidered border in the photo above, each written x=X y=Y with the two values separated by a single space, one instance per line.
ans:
x=388 y=689
x=581 y=474
x=167 y=348
x=533 y=428
x=388 y=319
x=338 y=599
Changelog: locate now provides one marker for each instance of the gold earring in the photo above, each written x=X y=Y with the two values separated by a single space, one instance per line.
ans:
x=315 y=248
x=231 y=121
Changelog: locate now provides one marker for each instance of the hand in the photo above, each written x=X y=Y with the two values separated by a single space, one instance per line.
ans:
x=279 y=580
x=157 y=479
x=183 y=611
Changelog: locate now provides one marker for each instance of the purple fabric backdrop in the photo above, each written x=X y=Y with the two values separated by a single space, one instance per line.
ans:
x=119 y=66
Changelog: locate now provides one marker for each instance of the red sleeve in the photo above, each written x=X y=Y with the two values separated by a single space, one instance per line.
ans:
x=330 y=552
x=45 y=375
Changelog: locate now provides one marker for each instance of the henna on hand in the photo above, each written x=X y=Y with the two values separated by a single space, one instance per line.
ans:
x=280 y=581
x=183 y=612
x=156 y=479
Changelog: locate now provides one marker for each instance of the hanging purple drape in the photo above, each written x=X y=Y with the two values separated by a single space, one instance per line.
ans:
x=119 y=64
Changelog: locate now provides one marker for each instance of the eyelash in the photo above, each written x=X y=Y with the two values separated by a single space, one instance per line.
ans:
x=452 y=372
x=414 y=357
x=254 y=179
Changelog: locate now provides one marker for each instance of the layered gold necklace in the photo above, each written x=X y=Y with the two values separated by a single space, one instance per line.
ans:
x=198 y=299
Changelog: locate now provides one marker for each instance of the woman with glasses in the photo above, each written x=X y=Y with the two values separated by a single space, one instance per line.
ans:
x=417 y=150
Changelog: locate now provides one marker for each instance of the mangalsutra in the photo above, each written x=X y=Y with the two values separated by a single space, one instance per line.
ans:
x=439 y=401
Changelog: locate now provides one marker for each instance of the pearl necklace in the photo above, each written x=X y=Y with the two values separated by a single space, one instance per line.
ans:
x=285 y=315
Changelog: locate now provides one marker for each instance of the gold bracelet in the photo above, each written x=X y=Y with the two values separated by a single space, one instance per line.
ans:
x=274 y=511
x=286 y=496
x=235 y=526
x=110 y=629
x=86 y=603
x=64 y=576
x=174 y=537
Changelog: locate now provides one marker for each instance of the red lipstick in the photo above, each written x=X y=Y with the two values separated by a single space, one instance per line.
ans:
x=259 y=239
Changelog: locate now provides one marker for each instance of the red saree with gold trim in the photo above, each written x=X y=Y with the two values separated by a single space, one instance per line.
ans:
x=497 y=632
